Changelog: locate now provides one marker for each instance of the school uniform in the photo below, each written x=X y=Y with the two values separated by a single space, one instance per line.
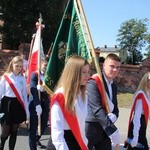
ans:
x=34 y=100
x=138 y=121
x=10 y=106
x=63 y=127
x=98 y=125
x=14 y=105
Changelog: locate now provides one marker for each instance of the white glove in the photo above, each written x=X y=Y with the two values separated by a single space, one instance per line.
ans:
x=38 y=110
x=112 y=117
x=1 y=115
x=134 y=142
x=27 y=114
x=40 y=88
x=115 y=138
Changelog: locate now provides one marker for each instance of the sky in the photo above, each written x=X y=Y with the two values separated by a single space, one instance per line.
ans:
x=104 y=17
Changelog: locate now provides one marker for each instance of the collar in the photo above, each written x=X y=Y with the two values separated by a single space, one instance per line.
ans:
x=42 y=73
x=13 y=75
x=108 y=82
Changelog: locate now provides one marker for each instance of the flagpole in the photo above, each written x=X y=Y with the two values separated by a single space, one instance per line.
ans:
x=49 y=51
x=94 y=56
x=92 y=50
x=39 y=64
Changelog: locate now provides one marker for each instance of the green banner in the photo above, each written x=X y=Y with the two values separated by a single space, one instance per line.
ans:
x=70 y=40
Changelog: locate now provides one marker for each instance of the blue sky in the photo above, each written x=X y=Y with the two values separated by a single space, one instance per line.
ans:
x=105 y=17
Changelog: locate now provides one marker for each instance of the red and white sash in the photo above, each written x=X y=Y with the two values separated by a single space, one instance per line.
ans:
x=70 y=118
x=100 y=88
x=145 y=108
x=14 y=90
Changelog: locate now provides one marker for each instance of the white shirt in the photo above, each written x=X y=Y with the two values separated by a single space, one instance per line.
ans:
x=19 y=82
x=110 y=97
x=138 y=111
x=59 y=124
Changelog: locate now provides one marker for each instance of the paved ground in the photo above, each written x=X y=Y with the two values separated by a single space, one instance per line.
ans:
x=22 y=139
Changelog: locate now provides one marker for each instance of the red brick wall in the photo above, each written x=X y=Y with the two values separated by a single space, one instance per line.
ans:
x=5 y=57
x=130 y=75
x=127 y=80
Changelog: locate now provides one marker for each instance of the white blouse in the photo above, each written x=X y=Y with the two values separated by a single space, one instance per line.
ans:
x=19 y=82
x=137 y=114
x=59 y=124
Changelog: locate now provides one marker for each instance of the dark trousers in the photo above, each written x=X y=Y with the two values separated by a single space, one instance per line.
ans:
x=97 y=137
x=33 y=125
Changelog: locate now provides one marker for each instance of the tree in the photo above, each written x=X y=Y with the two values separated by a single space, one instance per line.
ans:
x=148 y=47
x=147 y=55
x=133 y=37
x=20 y=18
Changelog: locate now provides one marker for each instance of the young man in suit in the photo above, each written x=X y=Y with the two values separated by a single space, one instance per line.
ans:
x=38 y=108
x=100 y=128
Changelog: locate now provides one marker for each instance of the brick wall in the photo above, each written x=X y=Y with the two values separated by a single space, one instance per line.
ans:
x=129 y=76
x=5 y=57
x=127 y=80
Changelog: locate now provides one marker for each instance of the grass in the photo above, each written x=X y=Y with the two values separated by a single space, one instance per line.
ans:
x=124 y=99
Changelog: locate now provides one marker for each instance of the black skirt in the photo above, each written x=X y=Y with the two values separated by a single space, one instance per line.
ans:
x=142 y=135
x=13 y=111
x=71 y=140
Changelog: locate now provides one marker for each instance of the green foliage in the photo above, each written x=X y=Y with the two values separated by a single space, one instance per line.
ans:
x=20 y=18
x=148 y=47
x=133 y=36
x=147 y=54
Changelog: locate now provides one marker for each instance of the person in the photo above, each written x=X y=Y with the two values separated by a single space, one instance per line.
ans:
x=14 y=103
x=100 y=128
x=38 y=107
x=140 y=112
x=69 y=106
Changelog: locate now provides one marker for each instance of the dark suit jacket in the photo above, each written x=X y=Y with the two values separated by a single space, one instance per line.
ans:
x=96 y=114
x=44 y=101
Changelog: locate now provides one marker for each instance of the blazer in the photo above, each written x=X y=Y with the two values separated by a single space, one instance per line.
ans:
x=96 y=113
x=45 y=99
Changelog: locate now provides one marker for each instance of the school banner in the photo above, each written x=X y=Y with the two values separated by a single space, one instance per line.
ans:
x=70 y=40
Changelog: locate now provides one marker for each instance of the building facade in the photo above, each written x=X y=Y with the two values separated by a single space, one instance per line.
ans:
x=104 y=51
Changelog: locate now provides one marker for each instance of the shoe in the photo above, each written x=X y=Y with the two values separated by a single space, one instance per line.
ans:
x=39 y=145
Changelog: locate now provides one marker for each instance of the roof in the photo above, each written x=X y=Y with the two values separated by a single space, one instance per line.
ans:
x=109 y=49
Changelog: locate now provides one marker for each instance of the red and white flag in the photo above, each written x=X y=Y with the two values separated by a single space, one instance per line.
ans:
x=33 y=57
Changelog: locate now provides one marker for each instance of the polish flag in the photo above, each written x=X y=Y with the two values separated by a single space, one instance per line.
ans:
x=33 y=57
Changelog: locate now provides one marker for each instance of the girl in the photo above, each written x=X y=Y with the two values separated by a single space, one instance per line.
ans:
x=140 y=113
x=14 y=102
x=69 y=106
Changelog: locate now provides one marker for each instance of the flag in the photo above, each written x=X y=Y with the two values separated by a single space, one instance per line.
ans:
x=33 y=56
x=70 y=40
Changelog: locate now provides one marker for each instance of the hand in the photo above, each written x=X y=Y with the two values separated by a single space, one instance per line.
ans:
x=40 y=88
x=38 y=110
x=112 y=117
x=134 y=142
x=115 y=138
